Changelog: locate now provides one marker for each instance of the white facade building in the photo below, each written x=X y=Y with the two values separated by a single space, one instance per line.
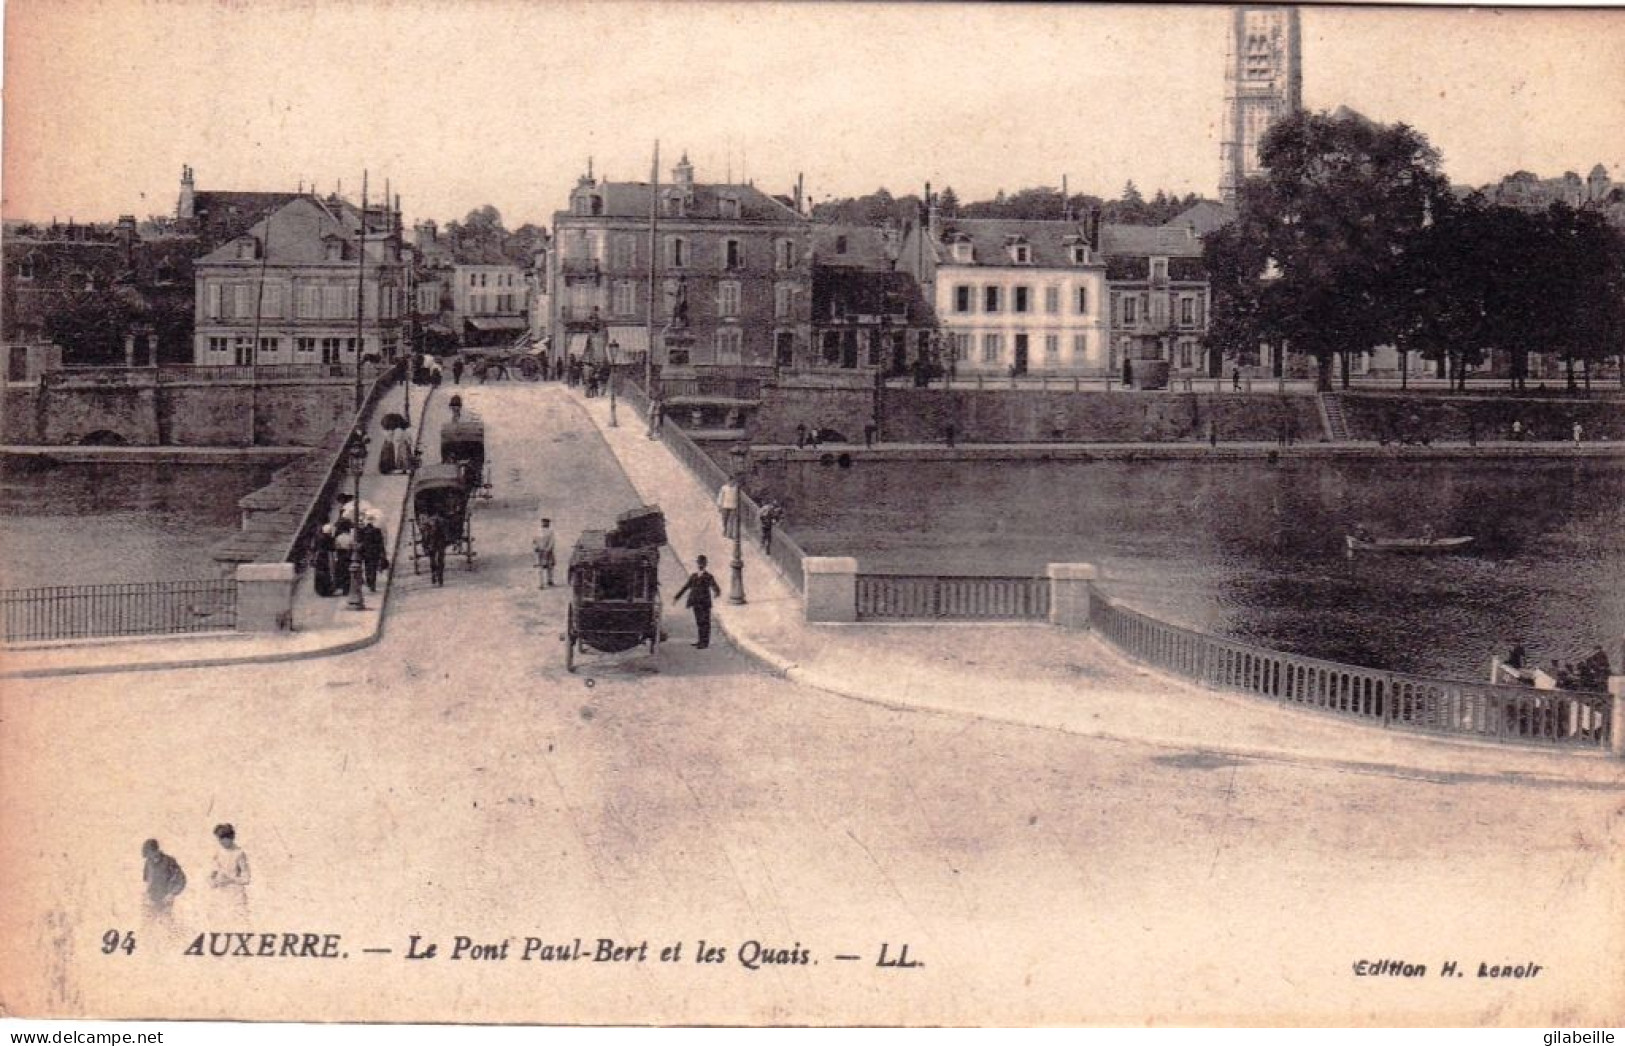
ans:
x=1013 y=297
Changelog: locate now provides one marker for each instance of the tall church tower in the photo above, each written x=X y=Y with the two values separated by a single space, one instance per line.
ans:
x=1263 y=81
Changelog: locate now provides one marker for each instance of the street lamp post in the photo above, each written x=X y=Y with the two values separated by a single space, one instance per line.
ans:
x=740 y=452
x=610 y=352
x=358 y=466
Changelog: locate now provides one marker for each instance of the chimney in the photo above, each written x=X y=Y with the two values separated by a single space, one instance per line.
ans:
x=427 y=234
x=799 y=191
x=682 y=175
x=185 y=209
x=126 y=235
x=933 y=216
x=1093 y=230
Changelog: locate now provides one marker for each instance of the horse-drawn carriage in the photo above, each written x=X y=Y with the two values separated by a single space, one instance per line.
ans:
x=614 y=580
x=439 y=491
x=462 y=443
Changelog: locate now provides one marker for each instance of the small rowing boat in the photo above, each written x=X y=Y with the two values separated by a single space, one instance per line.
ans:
x=1407 y=546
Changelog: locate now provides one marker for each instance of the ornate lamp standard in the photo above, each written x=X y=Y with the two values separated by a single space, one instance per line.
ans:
x=358 y=465
x=610 y=352
x=740 y=452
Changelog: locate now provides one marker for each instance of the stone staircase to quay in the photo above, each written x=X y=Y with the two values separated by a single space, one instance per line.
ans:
x=1331 y=415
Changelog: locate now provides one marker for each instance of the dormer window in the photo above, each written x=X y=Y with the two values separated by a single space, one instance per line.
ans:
x=334 y=248
x=675 y=205
x=1079 y=253
x=728 y=206
x=248 y=248
x=1020 y=250
x=1159 y=268
x=28 y=269
x=960 y=249
x=589 y=204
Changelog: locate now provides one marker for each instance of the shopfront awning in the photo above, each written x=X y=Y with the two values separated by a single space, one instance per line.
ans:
x=498 y=323
x=629 y=341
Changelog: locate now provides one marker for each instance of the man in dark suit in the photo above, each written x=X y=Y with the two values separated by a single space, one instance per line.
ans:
x=701 y=588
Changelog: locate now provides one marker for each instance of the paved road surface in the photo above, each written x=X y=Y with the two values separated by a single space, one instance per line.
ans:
x=455 y=780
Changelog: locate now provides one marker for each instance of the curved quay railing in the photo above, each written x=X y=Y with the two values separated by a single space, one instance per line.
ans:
x=1485 y=711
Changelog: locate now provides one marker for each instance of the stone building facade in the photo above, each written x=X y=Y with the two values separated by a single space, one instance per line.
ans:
x=1012 y=297
x=731 y=265
x=290 y=282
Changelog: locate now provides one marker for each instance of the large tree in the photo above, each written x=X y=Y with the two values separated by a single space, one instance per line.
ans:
x=1343 y=199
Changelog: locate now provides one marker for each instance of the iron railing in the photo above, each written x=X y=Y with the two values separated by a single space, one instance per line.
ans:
x=964 y=598
x=134 y=609
x=786 y=552
x=1511 y=714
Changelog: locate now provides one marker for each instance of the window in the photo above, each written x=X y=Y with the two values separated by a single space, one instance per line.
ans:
x=30 y=267
x=961 y=347
x=728 y=298
x=1187 y=312
x=271 y=300
x=1080 y=254
x=333 y=302
x=310 y=301
x=270 y=346
x=1023 y=299
x=330 y=350
x=1185 y=353
x=623 y=252
x=304 y=346
x=1131 y=310
x=335 y=249
x=962 y=298
x=1200 y=318
x=728 y=207
x=992 y=347
x=212 y=300
x=1021 y=253
x=1080 y=347
x=730 y=344
x=1052 y=300
x=787 y=254
x=677 y=252
x=219 y=346
x=1083 y=300
x=962 y=251
x=840 y=245
x=1159 y=268
x=990 y=299
x=733 y=256
x=1052 y=347
x=624 y=300
x=247 y=249
x=244 y=348
x=784 y=301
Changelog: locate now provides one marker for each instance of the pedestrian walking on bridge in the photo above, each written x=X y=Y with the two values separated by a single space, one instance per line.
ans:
x=701 y=589
x=545 y=548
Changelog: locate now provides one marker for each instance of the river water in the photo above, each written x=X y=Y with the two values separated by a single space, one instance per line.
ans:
x=1255 y=551
x=98 y=523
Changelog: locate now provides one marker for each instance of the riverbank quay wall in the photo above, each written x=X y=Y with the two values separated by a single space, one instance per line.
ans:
x=1479 y=415
x=1026 y=415
x=176 y=406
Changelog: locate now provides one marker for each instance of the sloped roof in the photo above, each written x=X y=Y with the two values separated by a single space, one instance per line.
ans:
x=1204 y=216
x=1163 y=241
x=1050 y=241
x=223 y=216
x=297 y=232
x=631 y=200
x=853 y=246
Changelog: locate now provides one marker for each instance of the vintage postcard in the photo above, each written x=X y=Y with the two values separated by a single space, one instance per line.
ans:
x=816 y=514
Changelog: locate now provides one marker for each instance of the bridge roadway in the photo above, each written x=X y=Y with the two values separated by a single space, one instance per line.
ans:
x=453 y=780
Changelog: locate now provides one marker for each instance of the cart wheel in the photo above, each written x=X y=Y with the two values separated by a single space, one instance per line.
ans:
x=530 y=370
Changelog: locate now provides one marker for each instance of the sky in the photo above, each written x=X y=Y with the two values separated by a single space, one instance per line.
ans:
x=460 y=103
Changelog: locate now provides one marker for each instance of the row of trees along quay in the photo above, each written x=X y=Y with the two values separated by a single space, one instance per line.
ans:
x=1354 y=239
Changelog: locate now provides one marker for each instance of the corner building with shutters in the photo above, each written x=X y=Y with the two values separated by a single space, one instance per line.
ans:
x=738 y=257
